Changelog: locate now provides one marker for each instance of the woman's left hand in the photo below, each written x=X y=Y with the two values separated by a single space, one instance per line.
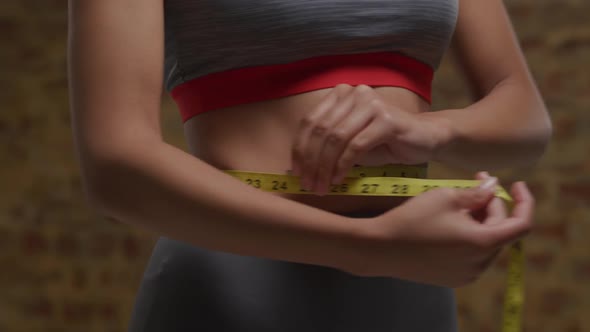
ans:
x=351 y=121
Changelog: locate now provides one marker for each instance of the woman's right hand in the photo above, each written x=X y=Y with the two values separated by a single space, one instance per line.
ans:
x=446 y=237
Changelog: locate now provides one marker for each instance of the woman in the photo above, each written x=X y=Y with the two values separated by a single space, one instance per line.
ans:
x=316 y=87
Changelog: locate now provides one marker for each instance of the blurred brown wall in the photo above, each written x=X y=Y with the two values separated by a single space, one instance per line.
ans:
x=64 y=268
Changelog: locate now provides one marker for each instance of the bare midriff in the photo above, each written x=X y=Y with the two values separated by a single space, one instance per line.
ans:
x=259 y=137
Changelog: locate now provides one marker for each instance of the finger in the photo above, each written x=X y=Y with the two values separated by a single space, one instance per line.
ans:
x=496 y=211
x=341 y=134
x=524 y=202
x=482 y=175
x=475 y=198
x=305 y=126
x=303 y=152
x=377 y=131
x=372 y=135
x=482 y=213
x=317 y=134
x=519 y=223
x=304 y=155
x=335 y=139
x=499 y=208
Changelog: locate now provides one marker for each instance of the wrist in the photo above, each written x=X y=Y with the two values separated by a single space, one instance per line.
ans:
x=352 y=250
x=369 y=241
x=446 y=133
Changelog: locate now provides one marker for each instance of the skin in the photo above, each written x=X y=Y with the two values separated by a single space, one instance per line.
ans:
x=132 y=175
x=459 y=234
x=508 y=126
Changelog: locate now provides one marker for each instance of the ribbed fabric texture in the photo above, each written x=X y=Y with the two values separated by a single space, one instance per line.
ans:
x=252 y=84
x=209 y=36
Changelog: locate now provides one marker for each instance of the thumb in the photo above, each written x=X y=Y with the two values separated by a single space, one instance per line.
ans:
x=478 y=197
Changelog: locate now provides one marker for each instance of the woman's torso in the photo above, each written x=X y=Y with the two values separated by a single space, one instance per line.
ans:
x=186 y=286
x=211 y=36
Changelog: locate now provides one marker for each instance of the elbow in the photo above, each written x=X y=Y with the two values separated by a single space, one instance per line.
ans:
x=533 y=127
x=99 y=189
x=545 y=129
x=542 y=126
x=110 y=166
x=538 y=139
x=103 y=181
x=537 y=148
x=545 y=133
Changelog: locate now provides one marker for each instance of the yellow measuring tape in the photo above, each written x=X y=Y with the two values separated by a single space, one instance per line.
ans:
x=403 y=180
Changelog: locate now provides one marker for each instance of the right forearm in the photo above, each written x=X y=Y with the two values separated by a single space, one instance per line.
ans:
x=177 y=195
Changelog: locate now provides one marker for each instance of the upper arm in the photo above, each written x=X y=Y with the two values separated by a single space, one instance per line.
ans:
x=486 y=46
x=115 y=64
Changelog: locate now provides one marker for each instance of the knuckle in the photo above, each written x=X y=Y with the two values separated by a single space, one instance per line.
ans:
x=385 y=116
x=337 y=137
x=320 y=129
x=362 y=89
x=344 y=163
x=342 y=87
x=298 y=151
x=447 y=193
x=308 y=163
x=357 y=146
x=377 y=104
x=307 y=121
x=478 y=196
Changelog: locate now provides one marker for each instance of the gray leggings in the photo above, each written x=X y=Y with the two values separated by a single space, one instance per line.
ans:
x=186 y=288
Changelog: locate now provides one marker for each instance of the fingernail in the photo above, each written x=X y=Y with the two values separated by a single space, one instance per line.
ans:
x=489 y=183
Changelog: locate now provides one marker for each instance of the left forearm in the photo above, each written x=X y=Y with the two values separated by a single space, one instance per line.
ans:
x=509 y=127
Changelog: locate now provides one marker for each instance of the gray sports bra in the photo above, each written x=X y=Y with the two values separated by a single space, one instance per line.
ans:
x=211 y=36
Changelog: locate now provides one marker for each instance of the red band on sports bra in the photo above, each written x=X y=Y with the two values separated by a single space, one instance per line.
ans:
x=252 y=84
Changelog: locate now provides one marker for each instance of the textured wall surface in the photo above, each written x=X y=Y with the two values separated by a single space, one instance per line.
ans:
x=64 y=268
